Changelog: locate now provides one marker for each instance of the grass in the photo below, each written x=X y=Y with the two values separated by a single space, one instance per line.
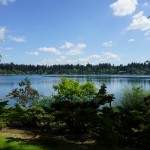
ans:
x=7 y=143
x=31 y=139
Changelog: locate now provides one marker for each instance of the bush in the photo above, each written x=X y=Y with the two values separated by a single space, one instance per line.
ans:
x=2 y=124
x=3 y=114
x=108 y=131
x=133 y=98
x=134 y=117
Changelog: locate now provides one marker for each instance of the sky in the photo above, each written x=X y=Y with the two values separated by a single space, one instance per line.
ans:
x=48 y=32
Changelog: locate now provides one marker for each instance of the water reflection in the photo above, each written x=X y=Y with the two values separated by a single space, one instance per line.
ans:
x=44 y=84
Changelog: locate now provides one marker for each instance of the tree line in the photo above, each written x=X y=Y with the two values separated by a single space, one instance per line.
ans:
x=101 y=68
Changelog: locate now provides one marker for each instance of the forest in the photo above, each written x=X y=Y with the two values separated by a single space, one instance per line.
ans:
x=102 y=68
x=77 y=117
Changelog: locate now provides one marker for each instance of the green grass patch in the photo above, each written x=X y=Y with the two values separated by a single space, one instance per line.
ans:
x=7 y=143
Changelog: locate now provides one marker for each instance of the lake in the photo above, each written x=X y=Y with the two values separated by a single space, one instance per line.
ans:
x=44 y=83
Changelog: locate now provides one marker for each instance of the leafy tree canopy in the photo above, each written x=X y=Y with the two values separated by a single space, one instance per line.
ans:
x=71 y=90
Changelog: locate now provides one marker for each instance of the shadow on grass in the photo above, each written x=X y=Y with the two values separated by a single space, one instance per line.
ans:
x=46 y=141
x=55 y=143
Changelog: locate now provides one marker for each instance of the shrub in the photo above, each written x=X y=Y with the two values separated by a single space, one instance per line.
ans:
x=133 y=98
x=2 y=124
x=3 y=114
x=134 y=116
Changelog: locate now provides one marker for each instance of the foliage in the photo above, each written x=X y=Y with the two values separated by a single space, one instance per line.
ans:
x=25 y=93
x=44 y=101
x=133 y=98
x=35 y=117
x=72 y=116
x=3 y=114
x=70 y=90
x=74 y=102
x=134 y=118
x=74 y=112
x=102 y=97
x=3 y=104
x=109 y=125
x=2 y=124
x=101 y=68
x=42 y=118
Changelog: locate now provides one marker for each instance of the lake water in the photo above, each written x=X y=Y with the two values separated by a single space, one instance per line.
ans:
x=44 y=83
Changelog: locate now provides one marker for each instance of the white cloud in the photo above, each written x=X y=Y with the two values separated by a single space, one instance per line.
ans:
x=81 y=45
x=131 y=40
x=58 y=61
x=33 y=53
x=83 y=61
x=5 y=2
x=73 y=49
x=61 y=59
x=138 y=15
x=64 y=60
x=108 y=44
x=47 y=62
x=2 y=33
x=103 y=58
x=112 y=56
x=124 y=7
x=140 y=22
x=74 y=52
x=70 y=49
x=92 y=59
x=17 y=39
x=50 y=50
x=97 y=57
x=67 y=45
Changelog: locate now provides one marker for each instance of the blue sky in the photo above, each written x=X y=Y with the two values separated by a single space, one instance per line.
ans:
x=48 y=32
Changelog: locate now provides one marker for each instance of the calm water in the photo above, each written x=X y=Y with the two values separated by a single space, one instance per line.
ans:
x=115 y=83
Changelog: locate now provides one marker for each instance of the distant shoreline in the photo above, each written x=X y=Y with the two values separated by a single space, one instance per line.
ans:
x=88 y=75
